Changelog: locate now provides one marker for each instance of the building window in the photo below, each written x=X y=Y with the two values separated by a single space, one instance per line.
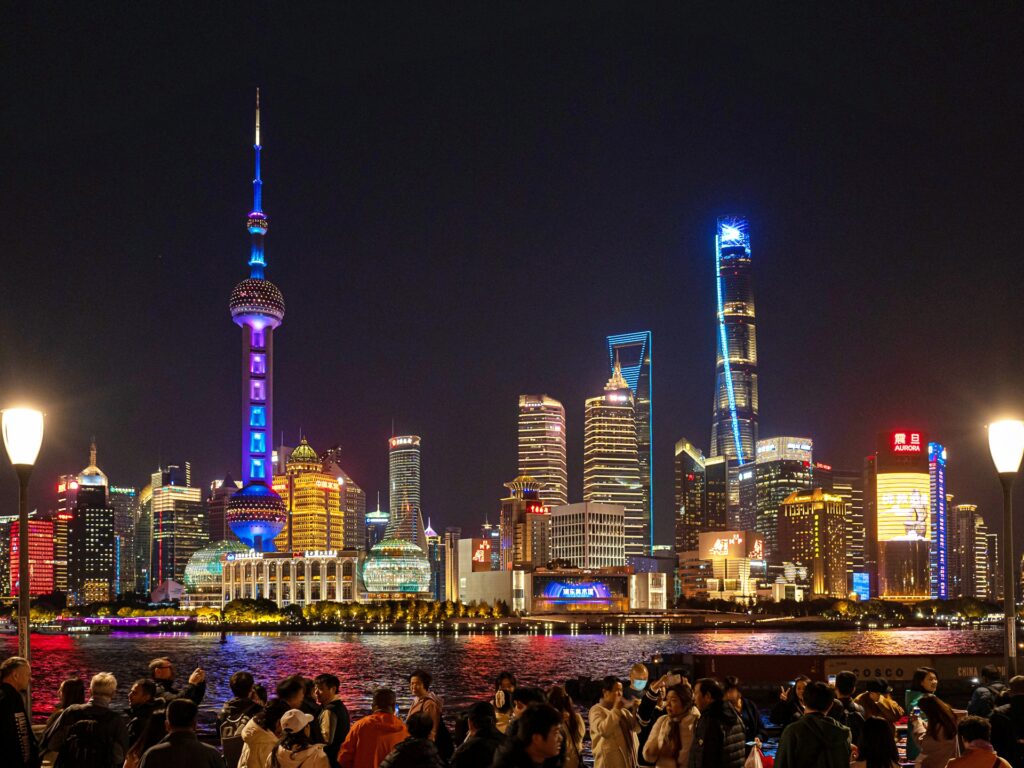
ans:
x=258 y=364
x=258 y=442
x=257 y=338
x=257 y=416
x=258 y=390
x=257 y=469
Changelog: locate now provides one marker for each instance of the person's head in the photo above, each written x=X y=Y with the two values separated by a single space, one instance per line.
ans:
x=71 y=691
x=1017 y=685
x=16 y=672
x=799 y=686
x=539 y=732
x=326 y=687
x=679 y=700
x=241 y=684
x=480 y=717
x=973 y=728
x=384 y=700
x=291 y=690
x=876 y=688
x=925 y=680
x=638 y=676
x=989 y=673
x=846 y=684
x=161 y=669
x=524 y=697
x=419 y=683
x=941 y=720
x=181 y=715
x=103 y=686
x=259 y=692
x=706 y=692
x=141 y=692
x=307 y=687
x=611 y=691
x=420 y=725
x=560 y=699
x=295 y=728
x=270 y=718
x=818 y=697
x=878 y=743
x=506 y=682
x=731 y=690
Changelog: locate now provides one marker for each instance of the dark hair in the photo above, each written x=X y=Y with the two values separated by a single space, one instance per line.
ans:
x=269 y=718
x=261 y=693
x=420 y=725
x=673 y=740
x=384 y=700
x=307 y=686
x=425 y=677
x=609 y=683
x=147 y=686
x=152 y=733
x=819 y=696
x=710 y=686
x=506 y=675
x=292 y=741
x=528 y=696
x=990 y=673
x=560 y=699
x=1017 y=684
x=536 y=719
x=241 y=684
x=973 y=727
x=155 y=663
x=846 y=683
x=730 y=682
x=72 y=691
x=878 y=743
x=181 y=713
x=290 y=686
x=919 y=675
x=481 y=714
x=327 y=680
x=941 y=720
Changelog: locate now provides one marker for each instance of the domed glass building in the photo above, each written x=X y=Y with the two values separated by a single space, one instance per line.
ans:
x=203 y=572
x=395 y=569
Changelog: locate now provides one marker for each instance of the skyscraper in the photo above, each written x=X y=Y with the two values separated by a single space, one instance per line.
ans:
x=633 y=350
x=968 y=552
x=812 y=533
x=689 y=496
x=312 y=497
x=353 y=500
x=376 y=525
x=611 y=463
x=40 y=557
x=783 y=466
x=221 y=492
x=435 y=554
x=542 y=446
x=849 y=486
x=255 y=513
x=179 y=523
x=125 y=502
x=525 y=524
x=717 y=471
x=404 y=483
x=92 y=567
x=67 y=500
x=938 y=565
x=588 y=534
x=734 y=419
x=450 y=562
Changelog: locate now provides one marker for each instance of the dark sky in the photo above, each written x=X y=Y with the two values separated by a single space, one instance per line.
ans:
x=466 y=198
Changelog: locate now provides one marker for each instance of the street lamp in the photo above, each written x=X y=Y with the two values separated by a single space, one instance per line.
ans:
x=23 y=436
x=1006 y=444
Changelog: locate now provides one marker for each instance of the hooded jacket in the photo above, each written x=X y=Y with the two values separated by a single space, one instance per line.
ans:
x=256 y=747
x=370 y=740
x=312 y=756
x=413 y=753
x=814 y=741
x=478 y=749
x=718 y=738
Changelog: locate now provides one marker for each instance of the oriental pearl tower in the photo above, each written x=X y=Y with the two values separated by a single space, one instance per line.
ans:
x=256 y=513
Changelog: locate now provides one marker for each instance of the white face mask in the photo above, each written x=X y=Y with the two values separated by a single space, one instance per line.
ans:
x=639 y=685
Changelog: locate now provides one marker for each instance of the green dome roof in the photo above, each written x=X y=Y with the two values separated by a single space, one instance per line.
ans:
x=396 y=566
x=204 y=569
x=304 y=453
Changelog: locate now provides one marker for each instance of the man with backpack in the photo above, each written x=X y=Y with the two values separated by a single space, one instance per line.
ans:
x=233 y=716
x=89 y=735
x=845 y=710
x=987 y=695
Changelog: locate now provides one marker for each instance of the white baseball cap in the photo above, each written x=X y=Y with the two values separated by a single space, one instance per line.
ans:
x=295 y=720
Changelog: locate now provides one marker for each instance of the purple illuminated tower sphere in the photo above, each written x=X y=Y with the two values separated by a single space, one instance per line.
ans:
x=256 y=513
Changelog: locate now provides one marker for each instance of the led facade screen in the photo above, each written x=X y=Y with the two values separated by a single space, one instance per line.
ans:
x=904 y=505
x=731 y=545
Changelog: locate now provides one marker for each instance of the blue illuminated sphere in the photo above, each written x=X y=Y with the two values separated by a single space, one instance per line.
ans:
x=256 y=515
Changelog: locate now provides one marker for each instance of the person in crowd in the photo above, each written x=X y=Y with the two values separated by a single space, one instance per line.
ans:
x=573 y=727
x=260 y=735
x=815 y=739
x=844 y=709
x=296 y=749
x=976 y=750
x=521 y=699
x=645 y=701
x=934 y=732
x=791 y=702
x=613 y=728
x=310 y=706
x=17 y=744
x=334 y=721
x=988 y=693
x=142 y=704
x=745 y=708
x=536 y=740
x=417 y=751
x=181 y=747
x=259 y=693
x=877 y=747
x=718 y=738
x=153 y=732
x=71 y=691
x=1008 y=724
x=233 y=716
x=373 y=737
x=292 y=690
x=423 y=700
x=162 y=672
x=483 y=739
x=672 y=736
x=876 y=701
x=923 y=682
x=502 y=702
x=92 y=734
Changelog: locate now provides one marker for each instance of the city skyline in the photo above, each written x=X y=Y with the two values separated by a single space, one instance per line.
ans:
x=878 y=336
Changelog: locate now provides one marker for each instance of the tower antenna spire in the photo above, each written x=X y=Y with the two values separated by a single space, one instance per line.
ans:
x=257 y=222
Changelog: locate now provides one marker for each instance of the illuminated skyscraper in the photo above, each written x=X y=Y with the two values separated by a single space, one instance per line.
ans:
x=221 y=492
x=717 y=471
x=40 y=557
x=92 y=568
x=144 y=542
x=633 y=350
x=179 y=523
x=376 y=525
x=783 y=466
x=435 y=554
x=611 y=464
x=255 y=513
x=125 y=502
x=353 y=500
x=849 y=486
x=734 y=420
x=968 y=553
x=316 y=522
x=404 y=483
x=812 y=533
x=450 y=558
x=525 y=524
x=689 y=496
x=542 y=446
x=938 y=565
x=67 y=500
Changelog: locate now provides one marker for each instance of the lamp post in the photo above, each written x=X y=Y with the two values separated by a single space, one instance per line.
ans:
x=1006 y=444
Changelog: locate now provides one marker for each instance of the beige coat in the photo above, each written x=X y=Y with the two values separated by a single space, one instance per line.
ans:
x=608 y=729
x=653 y=749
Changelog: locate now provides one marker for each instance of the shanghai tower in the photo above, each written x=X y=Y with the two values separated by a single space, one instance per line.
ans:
x=256 y=513
x=734 y=423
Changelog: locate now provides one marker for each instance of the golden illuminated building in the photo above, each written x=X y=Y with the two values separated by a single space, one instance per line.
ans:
x=811 y=527
x=316 y=520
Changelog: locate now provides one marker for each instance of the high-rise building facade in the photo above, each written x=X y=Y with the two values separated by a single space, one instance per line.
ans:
x=689 y=496
x=491 y=533
x=525 y=525
x=40 y=557
x=125 y=502
x=404 y=484
x=968 y=550
x=812 y=533
x=63 y=514
x=783 y=466
x=993 y=559
x=633 y=351
x=542 y=454
x=735 y=413
x=221 y=492
x=849 y=486
x=353 y=500
x=611 y=463
x=255 y=513
x=376 y=525
x=938 y=559
x=589 y=534
x=316 y=522
x=450 y=562
x=92 y=552
x=435 y=554
x=179 y=526
x=717 y=471
x=743 y=515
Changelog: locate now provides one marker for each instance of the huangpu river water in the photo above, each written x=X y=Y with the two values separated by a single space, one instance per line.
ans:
x=464 y=665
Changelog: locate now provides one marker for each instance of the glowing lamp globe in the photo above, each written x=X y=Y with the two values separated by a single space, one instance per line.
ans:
x=1006 y=444
x=23 y=435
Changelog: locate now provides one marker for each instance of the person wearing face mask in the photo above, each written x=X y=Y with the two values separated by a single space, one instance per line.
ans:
x=645 y=701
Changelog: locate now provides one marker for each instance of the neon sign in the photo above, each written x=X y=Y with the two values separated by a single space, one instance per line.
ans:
x=906 y=442
x=588 y=590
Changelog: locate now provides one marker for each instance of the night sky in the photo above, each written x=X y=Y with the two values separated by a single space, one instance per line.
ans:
x=465 y=199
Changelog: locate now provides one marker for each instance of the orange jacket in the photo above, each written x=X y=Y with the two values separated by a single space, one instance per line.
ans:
x=370 y=740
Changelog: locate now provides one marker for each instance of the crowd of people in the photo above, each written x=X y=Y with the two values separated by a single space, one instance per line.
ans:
x=669 y=722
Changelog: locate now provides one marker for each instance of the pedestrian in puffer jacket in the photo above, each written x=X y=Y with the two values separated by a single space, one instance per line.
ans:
x=418 y=751
x=718 y=738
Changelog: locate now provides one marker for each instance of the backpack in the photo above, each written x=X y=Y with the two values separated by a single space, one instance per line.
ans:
x=230 y=731
x=89 y=742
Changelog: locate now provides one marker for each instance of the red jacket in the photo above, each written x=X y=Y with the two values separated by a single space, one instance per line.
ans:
x=370 y=740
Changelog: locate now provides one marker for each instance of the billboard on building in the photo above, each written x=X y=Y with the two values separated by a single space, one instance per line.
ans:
x=904 y=506
x=584 y=593
x=717 y=545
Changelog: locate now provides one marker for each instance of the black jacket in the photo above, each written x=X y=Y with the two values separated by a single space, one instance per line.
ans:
x=478 y=749
x=138 y=718
x=1008 y=730
x=647 y=713
x=195 y=692
x=512 y=755
x=750 y=715
x=413 y=753
x=334 y=724
x=181 y=749
x=848 y=712
x=787 y=710
x=17 y=744
x=111 y=732
x=718 y=738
